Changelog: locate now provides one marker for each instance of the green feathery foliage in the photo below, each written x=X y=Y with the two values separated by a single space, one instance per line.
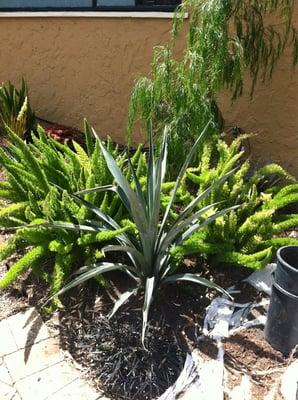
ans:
x=31 y=257
x=149 y=260
x=224 y=39
x=247 y=235
x=15 y=110
x=39 y=178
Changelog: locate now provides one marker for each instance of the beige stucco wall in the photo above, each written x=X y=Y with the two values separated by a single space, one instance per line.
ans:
x=84 y=67
x=272 y=114
x=80 y=67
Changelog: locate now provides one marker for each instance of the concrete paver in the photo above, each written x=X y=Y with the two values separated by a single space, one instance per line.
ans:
x=43 y=384
x=27 y=328
x=77 y=390
x=7 y=342
x=7 y=392
x=42 y=355
x=32 y=365
x=4 y=374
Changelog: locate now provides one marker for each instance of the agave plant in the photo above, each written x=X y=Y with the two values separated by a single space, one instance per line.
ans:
x=149 y=250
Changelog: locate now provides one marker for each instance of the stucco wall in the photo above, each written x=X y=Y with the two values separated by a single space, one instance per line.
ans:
x=84 y=67
x=272 y=114
x=80 y=67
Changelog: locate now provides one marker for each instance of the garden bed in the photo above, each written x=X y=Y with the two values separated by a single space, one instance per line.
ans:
x=110 y=351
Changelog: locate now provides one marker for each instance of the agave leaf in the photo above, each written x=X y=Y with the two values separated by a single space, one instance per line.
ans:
x=177 y=229
x=110 y=222
x=102 y=215
x=138 y=187
x=128 y=196
x=122 y=299
x=198 y=226
x=203 y=195
x=150 y=172
x=88 y=138
x=137 y=256
x=69 y=226
x=180 y=175
x=105 y=188
x=160 y=175
x=58 y=225
x=94 y=270
x=149 y=289
x=195 y=278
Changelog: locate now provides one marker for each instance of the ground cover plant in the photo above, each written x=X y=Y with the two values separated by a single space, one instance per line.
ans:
x=250 y=235
x=225 y=39
x=30 y=195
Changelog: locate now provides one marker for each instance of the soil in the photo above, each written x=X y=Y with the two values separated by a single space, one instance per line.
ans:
x=110 y=353
x=111 y=350
x=247 y=352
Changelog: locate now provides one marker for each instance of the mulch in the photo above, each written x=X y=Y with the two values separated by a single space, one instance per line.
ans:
x=247 y=352
x=110 y=352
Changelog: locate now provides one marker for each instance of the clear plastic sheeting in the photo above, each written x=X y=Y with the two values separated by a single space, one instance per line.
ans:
x=262 y=280
x=205 y=379
x=289 y=382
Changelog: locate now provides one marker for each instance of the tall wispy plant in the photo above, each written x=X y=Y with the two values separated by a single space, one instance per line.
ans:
x=150 y=264
x=224 y=40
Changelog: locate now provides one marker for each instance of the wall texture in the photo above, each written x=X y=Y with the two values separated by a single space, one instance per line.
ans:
x=84 y=67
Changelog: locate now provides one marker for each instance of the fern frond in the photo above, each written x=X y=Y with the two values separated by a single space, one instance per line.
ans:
x=22 y=265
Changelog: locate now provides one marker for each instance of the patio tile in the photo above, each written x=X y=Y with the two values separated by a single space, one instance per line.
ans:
x=16 y=396
x=5 y=378
x=7 y=342
x=77 y=390
x=32 y=365
x=33 y=359
x=7 y=392
x=27 y=328
x=43 y=384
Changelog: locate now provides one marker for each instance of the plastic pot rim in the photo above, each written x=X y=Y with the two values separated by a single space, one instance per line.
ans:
x=284 y=291
x=281 y=260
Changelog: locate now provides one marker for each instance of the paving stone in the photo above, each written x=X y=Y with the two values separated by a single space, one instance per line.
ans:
x=42 y=355
x=32 y=365
x=77 y=390
x=27 y=328
x=16 y=396
x=6 y=391
x=43 y=384
x=4 y=374
x=7 y=342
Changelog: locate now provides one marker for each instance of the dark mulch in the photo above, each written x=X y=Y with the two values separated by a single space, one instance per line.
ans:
x=111 y=350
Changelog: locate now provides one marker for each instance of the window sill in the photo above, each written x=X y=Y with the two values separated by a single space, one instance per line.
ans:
x=87 y=14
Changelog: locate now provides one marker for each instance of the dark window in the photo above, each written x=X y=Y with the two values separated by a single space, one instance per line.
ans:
x=89 y=5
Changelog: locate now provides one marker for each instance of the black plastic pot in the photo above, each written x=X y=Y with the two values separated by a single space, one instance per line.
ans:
x=281 y=329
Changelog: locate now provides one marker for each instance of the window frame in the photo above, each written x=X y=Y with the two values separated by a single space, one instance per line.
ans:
x=94 y=8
